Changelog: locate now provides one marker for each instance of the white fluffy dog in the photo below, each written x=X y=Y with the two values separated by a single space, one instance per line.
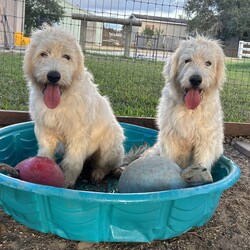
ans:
x=190 y=118
x=67 y=107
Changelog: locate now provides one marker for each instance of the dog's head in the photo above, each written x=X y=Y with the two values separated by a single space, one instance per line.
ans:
x=195 y=69
x=53 y=62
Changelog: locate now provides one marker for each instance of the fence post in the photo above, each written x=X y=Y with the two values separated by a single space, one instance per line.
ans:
x=128 y=32
x=83 y=34
x=240 y=49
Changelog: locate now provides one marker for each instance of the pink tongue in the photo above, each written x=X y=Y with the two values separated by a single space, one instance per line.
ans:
x=192 y=99
x=52 y=96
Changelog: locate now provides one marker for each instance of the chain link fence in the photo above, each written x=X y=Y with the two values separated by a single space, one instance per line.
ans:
x=125 y=43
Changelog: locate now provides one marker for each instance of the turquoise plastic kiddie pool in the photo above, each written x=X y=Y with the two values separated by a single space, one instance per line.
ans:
x=98 y=216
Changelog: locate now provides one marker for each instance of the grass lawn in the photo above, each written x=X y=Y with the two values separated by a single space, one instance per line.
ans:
x=236 y=91
x=133 y=86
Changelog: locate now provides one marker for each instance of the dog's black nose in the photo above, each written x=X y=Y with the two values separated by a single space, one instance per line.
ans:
x=53 y=76
x=195 y=80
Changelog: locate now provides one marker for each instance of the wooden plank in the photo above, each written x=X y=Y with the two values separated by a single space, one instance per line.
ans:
x=8 y=117
x=140 y=121
x=236 y=129
x=103 y=19
x=243 y=147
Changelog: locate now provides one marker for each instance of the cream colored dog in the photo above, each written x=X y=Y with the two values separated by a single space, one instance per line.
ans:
x=190 y=117
x=67 y=107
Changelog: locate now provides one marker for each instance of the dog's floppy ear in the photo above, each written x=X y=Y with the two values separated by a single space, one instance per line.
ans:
x=166 y=69
x=79 y=70
x=170 y=68
x=220 y=69
x=27 y=65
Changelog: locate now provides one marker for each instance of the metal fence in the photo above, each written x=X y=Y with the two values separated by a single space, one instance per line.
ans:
x=125 y=43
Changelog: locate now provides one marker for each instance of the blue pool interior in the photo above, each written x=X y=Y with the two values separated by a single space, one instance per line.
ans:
x=18 y=142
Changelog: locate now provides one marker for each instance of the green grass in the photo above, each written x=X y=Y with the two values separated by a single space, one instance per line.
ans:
x=13 y=91
x=133 y=86
x=236 y=92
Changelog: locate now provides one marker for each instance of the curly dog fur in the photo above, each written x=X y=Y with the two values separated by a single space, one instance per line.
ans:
x=190 y=117
x=67 y=107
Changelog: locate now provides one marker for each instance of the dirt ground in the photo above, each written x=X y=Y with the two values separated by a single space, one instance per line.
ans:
x=229 y=228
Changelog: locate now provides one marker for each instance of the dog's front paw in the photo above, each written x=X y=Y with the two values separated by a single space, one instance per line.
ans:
x=70 y=175
x=69 y=181
x=69 y=185
x=97 y=175
x=196 y=175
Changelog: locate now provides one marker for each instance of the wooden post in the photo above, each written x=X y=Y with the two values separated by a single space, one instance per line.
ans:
x=83 y=34
x=128 y=32
x=102 y=19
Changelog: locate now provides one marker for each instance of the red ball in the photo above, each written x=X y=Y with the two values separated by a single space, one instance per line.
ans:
x=41 y=170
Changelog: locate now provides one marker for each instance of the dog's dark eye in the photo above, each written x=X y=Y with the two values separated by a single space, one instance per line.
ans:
x=188 y=60
x=67 y=57
x=208 y=63
x=44 y=54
